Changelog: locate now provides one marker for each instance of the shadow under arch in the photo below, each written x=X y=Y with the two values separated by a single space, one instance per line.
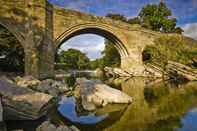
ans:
x=16 y=34
x=13 y=54
x=101 y=30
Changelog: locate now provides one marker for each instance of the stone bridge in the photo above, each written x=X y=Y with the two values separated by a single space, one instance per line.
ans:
x=41 y=28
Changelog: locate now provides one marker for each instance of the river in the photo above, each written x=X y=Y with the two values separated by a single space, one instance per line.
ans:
x=160 y=106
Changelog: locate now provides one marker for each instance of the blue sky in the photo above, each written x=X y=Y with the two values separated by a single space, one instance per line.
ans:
x=184 y=10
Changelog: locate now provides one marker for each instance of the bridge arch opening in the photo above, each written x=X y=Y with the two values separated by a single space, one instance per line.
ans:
x=93 y=29
x=111 y=44
x=11 y=52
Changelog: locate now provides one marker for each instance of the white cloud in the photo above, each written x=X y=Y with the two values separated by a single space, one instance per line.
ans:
x=190 y=30
x=90 y=44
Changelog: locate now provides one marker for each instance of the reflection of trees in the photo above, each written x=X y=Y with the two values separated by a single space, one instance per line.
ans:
x=162 y=112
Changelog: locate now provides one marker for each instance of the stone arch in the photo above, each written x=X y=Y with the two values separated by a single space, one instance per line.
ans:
x=102 y=30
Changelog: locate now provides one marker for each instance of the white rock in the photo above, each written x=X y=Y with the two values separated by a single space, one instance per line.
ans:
x=94 y=91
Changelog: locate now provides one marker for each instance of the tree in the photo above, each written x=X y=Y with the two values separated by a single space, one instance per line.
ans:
x=98 y=63
x=73 y=59
x=11 y=52
x=111 y=55
x=117 y=17
x=157 y=17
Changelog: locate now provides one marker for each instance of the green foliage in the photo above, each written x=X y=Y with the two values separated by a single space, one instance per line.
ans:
x=156 y=17
x=135 y=20
x=11 y=51
x=117 y=17
x=73 y=59
x=111 y=57
x=98 y=63
x=174 y=48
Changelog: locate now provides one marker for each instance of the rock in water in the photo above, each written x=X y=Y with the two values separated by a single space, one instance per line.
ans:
x=21 y=103
x=48 y=86
x=27 y=81
x=48 y=126
x=95 y=93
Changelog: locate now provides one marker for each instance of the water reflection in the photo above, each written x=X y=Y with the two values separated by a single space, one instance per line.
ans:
x=68 y=109
x=156 y=107
x=189 y=121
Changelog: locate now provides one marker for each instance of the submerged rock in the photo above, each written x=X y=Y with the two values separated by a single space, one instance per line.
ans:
x=48 y=126
x=27 y=81
x=48 y=86
x=3 y=126
x=94 y=93
x=53 y=87
x=1 y=112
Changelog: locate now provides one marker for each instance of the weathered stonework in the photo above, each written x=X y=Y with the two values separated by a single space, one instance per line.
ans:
x=41 y=28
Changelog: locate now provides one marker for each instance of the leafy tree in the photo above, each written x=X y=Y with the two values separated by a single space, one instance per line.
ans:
x=98 y=63
x=117 y=17
x=157 y=17
x=11 y=52
x=111 y=55
x=73 y=59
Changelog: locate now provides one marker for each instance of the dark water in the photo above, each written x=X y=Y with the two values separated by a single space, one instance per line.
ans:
x=160 y=106
x=157 y=106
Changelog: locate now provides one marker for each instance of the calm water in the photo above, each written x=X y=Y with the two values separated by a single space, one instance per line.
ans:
x=159 y=106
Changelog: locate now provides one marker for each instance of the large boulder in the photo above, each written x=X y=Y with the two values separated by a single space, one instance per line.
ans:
x=94 y=93
x=21 y=103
